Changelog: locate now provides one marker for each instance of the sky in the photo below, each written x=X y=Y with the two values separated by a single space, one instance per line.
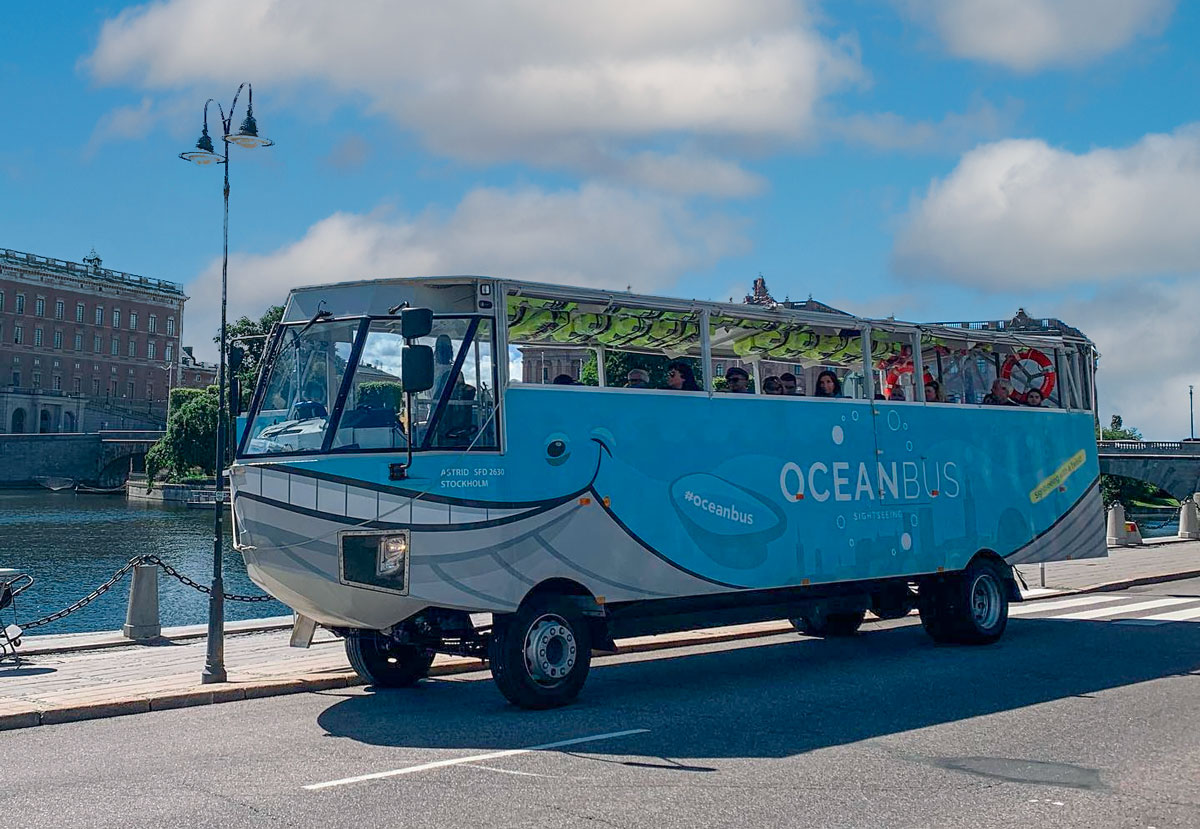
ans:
x=931 y=159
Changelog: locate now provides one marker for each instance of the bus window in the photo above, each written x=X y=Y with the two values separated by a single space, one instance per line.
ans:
x=787 y=354
x=459 y=411
x=892 y=357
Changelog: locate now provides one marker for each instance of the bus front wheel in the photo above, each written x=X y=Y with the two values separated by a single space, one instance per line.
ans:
x=969 y=608
x=385 y=663
x=541 y=654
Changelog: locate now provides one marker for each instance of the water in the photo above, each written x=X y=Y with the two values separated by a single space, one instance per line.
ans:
x=1157 y=525
x=71 y=543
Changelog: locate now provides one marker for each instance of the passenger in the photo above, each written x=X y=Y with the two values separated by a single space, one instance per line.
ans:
x=789 y=383
x=637 y=378
x=828 y=385
x=772 y=385
x=896 y=392
x=565 y=380
x=681 y=378
x=1000 y=395
x=1034 y=398
x=933 y=392
x=738 y=380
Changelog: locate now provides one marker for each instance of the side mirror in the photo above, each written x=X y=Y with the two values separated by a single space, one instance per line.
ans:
x=416 y=323
x=236 y=355
x=416 y=368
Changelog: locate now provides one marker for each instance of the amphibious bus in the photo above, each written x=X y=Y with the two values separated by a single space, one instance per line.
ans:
x=528 y=472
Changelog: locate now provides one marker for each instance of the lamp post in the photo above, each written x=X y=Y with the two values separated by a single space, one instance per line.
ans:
x=1191 y=412
x=247 y=136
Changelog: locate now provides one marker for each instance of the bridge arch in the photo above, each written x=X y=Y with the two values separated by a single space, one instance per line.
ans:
x=18 y=421
x=1174 y=467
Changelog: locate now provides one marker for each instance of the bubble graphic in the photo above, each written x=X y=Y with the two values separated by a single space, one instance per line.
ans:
x=893 y=551
x=894 y=421
x=905 y=541
x=843 y=418
x=841 y=522
x=838 y=435
x=851 y=542
x=912 y=519
x=906 y=427
x=908 y=445
x=854 y=415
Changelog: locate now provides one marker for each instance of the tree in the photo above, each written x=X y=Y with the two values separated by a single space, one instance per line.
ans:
x=257 y=332
x=189 y=445
x=617 y=365
x=1130 y=492
x=1116 y=431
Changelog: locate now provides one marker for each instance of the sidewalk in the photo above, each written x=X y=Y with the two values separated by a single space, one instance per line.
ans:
x=84 y=676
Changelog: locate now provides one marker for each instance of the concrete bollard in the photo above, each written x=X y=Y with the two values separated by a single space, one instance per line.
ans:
x=141 y=617
x=1189 y=519
x=1116 y=525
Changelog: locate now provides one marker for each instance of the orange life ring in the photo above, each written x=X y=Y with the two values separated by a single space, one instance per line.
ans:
x=893 y=376
x=1045 y=373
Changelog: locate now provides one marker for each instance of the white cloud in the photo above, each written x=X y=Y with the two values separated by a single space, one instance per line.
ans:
x=1022 y=214
x=955 y=132
x=596 y=236
x=1027 y=35
x=123 y=123
x=1149 y=342
x=530 y=80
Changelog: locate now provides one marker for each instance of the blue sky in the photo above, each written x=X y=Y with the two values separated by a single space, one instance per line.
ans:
x=927 y=158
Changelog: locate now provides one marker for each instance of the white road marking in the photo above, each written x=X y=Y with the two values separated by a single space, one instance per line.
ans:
x=1038 y=592
x=475 y=758
x=1129 y=608
x=507 y=771
x=1185 y=615
x=1038 y=607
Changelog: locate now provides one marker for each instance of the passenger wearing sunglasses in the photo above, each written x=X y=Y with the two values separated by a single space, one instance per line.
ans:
x=681 y=378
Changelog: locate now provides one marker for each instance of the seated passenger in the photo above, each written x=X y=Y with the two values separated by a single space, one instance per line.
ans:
x=933 y=392
x=772 y=385
x=1034 y=398
x=896 y=392
x=637 y=378
x=738 y=380
x=788 y=380
x=1000 y=395
x=565 y=380
x=681 y=378
x=828 y=385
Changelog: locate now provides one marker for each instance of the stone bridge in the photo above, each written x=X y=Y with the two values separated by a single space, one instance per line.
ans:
x=103 y=458
x=1173 y=466
x=122 y=452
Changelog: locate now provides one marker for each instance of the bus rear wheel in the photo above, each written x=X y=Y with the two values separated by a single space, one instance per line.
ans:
x=385 y=663
x=817 y=622
x=969 y=608
x=541 y=654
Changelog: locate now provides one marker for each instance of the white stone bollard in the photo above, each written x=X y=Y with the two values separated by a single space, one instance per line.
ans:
x=1189 y=519
x=141 y=616
x=1116 y=525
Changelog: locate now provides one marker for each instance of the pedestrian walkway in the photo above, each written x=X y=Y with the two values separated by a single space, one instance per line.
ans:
x=82 y=676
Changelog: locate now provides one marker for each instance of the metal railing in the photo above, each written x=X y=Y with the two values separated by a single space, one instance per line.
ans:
x=1144 y=446
x=46 y=263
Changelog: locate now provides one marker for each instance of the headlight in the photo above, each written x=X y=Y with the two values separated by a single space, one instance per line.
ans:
x=393 y=550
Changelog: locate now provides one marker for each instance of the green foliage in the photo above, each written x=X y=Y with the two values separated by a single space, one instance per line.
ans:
x=381 y=394
x=257 y=329
x=181 y=395
x=189 y=446
x=617 y=365
x=1117 y=431
x=1129 y=492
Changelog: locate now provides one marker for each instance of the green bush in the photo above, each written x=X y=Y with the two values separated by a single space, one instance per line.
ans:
x=189 y=446
x=381 y=394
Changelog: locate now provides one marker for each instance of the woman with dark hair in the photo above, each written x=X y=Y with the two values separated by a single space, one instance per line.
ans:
x=681 y=378
x=772 y=385
x=828 y=385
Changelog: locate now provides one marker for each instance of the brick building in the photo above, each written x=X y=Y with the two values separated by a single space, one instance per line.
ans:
x=80 y=343
x=194 y=374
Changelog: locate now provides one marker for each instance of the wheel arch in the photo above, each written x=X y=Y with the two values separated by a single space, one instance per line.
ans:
x=1010 y=572
x=589 y=605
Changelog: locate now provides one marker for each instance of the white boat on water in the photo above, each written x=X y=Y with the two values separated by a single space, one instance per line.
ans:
x=55 y=484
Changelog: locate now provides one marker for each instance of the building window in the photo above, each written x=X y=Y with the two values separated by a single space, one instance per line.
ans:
x=169 y=352
x=78 y=341
x=149 y=391
x=113 y=390
x=153 y=319
x=133 y=320
x=20 y=303
x=116 y=318
x=170 y=326
x=37 y=379
x=79 y=312
x=151 y=350
x=116 y=346
x=132 y=347
x=1 y=300
x=56 y=382
x=58 y=339
x=18 y=334
x=37 y=337
x=96 y=343
x=78 y=385
x=129 y=389
x=60 y=308
x=95 y=387
x=39 y=307
x=16 y=377
x=99 y=315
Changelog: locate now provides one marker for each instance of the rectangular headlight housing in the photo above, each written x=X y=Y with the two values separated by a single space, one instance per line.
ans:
x=375 y=559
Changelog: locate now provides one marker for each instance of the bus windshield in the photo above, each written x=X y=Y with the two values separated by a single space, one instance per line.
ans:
x=335 y=386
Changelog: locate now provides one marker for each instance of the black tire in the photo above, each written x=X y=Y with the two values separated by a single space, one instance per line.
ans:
x=968 y=608
x=385 y=663
x=819 y=623
x=540 y=655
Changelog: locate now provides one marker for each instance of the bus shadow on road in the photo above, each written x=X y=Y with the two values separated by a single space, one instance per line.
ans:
x=782 y=698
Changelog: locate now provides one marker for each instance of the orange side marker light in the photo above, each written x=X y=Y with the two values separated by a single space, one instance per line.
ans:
x=584 y=501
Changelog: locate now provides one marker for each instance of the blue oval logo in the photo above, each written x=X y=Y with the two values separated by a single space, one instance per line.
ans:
x=729 y=523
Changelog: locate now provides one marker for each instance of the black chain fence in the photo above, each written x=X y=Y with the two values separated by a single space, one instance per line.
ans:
x=120 y=574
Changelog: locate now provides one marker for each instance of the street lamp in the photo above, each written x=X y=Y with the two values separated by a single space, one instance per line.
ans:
x=203 y=154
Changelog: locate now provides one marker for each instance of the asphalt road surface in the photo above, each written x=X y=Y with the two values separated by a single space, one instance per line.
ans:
x=1068 y=721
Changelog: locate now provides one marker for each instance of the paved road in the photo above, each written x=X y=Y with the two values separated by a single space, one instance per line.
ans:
x=1075 y=722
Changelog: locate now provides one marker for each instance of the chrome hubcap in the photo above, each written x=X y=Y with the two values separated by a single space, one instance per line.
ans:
x=550 y=650
x=985 y=601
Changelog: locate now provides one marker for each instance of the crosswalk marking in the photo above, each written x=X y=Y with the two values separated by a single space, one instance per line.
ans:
x=1098 y=613
x=1039 y=607
x=1175 y=615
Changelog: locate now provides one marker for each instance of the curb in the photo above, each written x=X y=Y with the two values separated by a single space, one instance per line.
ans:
x=19 y=714
x=117 y=640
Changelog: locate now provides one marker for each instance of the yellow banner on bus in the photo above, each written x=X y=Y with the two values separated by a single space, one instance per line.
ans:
x=1061 y=474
